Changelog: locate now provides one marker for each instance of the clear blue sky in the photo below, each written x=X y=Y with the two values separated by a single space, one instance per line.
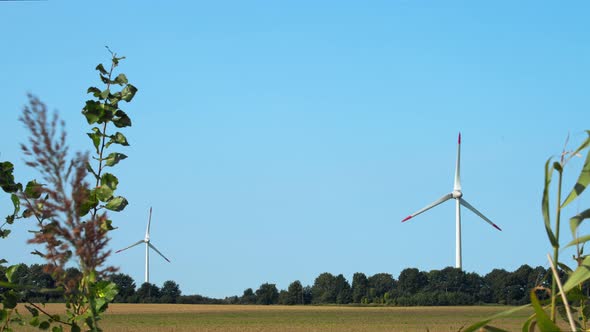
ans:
x=277 y=140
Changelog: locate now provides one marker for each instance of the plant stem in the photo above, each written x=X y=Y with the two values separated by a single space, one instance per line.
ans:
x=554 y=288
x=103 y=142
x=48 y=314
x=570 y=318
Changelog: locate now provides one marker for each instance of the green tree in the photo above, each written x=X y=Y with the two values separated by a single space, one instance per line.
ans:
x=295 y=293
x=284 y=297
x=360 y=287
x=411 y=281
x=324 y=289
x=148 y=293
x=267 y=294
x=248 y=297
x=125 y=286
x=170 y=292
x=379 y=284
x=497 y=280
x=41 y=282
x=343 y=290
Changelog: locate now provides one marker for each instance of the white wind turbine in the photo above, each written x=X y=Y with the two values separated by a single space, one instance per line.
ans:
x=459 y=200
x=148 y=245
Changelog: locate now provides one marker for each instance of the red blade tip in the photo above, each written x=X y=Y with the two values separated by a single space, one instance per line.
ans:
x=459 y=137
x=407 y=218
x=498 y=228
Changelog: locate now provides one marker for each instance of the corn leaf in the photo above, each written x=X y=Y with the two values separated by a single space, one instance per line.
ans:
x=545 y=204
x=581 y=183
x=543 y=320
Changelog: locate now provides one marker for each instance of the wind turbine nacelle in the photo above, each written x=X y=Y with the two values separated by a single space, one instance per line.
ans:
x=457 y=194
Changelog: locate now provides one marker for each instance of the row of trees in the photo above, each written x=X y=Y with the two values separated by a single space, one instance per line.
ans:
x=449 y=286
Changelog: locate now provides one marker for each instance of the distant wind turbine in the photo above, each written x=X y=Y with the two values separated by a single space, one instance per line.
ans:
x=148 y=245
x=458 y=196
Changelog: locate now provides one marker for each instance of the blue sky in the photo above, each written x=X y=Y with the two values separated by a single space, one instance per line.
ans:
x=277 y=140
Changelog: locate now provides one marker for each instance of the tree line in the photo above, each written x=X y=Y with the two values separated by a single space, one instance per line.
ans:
x=449 y=286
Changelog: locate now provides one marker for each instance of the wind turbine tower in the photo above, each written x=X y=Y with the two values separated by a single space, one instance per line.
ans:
x=456 y=194
x=148 y=245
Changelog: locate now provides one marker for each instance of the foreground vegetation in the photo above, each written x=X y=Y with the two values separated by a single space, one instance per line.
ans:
x=178 y=317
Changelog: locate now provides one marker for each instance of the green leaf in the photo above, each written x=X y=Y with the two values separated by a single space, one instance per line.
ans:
x=33 y=190
x=16 y=204
x=565 y=268
x=581 y=183
x=128 y=92
x=95 y=91
x=95 y=136
x=4 y=233
x=93 y=111
x=34 y=312
x=121 y=120
x=105 y=79
x=91 y=170
x=579 y=240
x=10 y=271
x=44 y=325
x=117 y=204
x=545 y=204
x=101 y=69
x=104 y=94
x=580 y=275
x=10 y=300
x=118 y=138
x=7 y=178
x=57 y=329
x=75 y=328
x=114 y=158
x=103 y=193
x=577 y=220
x=27 y=213
x=543 y=320
x=121 y=79
x=34 y=321
x=503 y=314
x=526 y=327
x=109 y=180
x=90 y=203
x=107 y=225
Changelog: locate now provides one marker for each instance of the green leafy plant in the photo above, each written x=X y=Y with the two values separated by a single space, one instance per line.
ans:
x=572 y=299
x=70 y=213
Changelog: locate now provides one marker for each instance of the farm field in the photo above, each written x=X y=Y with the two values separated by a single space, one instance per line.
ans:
x=180 y=317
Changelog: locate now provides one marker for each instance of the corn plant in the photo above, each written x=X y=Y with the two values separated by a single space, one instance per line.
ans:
x=572 y=299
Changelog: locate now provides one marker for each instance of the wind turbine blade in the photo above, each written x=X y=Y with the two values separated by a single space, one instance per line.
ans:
x=133 y=245
x=147 y=231
x=151 y=246
x=435 y=203
x=470 y=207
x=457 y=185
